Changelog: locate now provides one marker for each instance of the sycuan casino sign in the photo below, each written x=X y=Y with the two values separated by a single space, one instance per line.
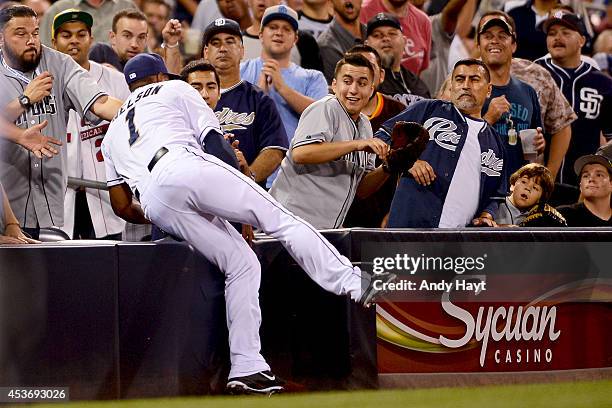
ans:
x=532 y=312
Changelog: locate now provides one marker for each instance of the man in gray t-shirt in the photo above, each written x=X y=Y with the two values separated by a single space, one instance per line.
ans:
x=330 y=158
x=40 y=84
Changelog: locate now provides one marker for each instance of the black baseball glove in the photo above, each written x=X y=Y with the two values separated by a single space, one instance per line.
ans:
x=408 y=140
x=543 y=215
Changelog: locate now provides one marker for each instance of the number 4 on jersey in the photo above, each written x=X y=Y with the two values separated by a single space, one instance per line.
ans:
x=129 y=118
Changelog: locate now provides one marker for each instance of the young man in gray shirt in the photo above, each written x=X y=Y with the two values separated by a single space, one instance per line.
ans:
x=331 y=157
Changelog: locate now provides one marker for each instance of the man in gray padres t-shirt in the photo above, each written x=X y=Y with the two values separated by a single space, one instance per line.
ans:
x=332 y=154
x=40 y=84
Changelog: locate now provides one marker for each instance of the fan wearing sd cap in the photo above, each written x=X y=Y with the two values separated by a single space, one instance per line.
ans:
x=244 y=110
x=462 y=169
x=587 y=89
x=154 y=150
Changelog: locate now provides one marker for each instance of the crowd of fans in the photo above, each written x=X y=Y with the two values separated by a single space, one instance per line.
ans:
x=477 y=74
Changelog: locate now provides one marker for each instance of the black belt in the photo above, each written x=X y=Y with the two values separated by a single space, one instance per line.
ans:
x=158 y=155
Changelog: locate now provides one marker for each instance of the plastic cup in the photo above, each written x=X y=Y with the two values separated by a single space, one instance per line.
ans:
x=527 y=142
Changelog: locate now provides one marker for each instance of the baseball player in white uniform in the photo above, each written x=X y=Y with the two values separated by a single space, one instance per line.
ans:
x=156 y=147
x=71 y=35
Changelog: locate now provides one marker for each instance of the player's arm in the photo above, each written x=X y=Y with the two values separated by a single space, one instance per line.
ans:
x=125 y=206
x=324 y=152
x=265 y=163
x=106 y=107
x=216 y=145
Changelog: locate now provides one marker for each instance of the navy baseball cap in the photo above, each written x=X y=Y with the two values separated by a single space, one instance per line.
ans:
x=144 y=65
x=222 y=25
x=382 y=20
x=280 y=12
x=498 y=21
x=566 y=19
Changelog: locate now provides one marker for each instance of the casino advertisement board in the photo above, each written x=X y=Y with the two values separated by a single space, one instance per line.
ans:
x=493 y=307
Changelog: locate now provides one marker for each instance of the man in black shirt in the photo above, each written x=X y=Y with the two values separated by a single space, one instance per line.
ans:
x=595 y=176
x=384 y=34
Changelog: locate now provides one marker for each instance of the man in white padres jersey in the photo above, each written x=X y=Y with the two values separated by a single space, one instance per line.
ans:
x=156 y=148
x=71 y=35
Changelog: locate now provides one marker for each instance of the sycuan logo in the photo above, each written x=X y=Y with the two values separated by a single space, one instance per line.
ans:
x=442 y=131
x=491 y=164
x=520 y=324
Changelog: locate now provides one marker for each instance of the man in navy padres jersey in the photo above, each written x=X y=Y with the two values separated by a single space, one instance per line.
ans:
x=462 y=168
x=244 y=110
x=588 y=90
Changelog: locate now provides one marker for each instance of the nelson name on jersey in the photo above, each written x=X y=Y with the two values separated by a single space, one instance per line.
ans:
x=142 y=94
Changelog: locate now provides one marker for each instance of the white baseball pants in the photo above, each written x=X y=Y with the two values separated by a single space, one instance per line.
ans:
x=191 y=194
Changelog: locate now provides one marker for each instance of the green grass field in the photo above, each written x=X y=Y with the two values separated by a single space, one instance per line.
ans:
x=559 y=395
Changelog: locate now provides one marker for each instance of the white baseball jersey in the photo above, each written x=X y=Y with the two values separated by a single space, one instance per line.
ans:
x=134 y=135
x=85 y=159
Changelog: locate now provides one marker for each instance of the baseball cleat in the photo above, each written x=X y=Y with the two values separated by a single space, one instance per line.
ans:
x=371 y=292
x=263 y=383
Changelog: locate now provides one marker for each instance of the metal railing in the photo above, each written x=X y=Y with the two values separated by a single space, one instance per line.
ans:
x=74 y=182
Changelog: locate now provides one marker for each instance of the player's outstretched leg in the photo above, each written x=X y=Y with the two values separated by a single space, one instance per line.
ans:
x=221 y=190
x=221 y=244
